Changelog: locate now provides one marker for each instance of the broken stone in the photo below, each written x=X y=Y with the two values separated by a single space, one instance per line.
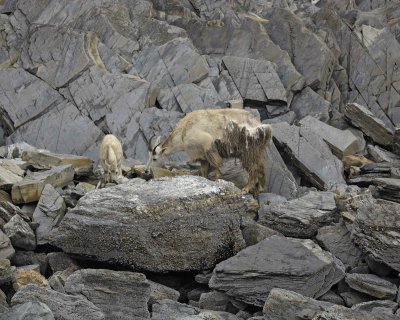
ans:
x=388 y=188
x=310 y=103
x=252 y=273
x=26 y=258
x=6 y=248
x=214 y=300
x=372 y=285
x=379 y=154
x=377 y=267
x=28 y=310
x=146 y=223
x=7 y=177
x=22 y=277
x=46 y=160
x=353 y=297
x=30 y=189
x=160 y=292
x=332 y=297
x=255 y=233
x=301 y=217
x=373 y=127
x=371 y=305
x=20 y=233
x=48 y=213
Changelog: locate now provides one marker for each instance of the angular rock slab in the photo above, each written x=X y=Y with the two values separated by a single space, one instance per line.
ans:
x=158 y=225
x=388 y=188
x=310 y=103
x=119 y=294
x=41 y=159
x=20 y=233
x=310 y=154
x=376 y=230
x=373 y=127
x=372 y=285
x=63 y=306
x=28 y=310
x=30 y=189
x=301 y=217
x=287 y=263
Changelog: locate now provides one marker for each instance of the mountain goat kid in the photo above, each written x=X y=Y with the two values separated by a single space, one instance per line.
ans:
x=111 y=158
x=210 y=135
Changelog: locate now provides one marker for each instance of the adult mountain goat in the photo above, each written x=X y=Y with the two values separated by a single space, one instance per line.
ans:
x=210 y=135
x=111 y=158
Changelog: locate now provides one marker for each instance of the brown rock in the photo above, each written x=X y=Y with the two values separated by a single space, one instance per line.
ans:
x=22 y=277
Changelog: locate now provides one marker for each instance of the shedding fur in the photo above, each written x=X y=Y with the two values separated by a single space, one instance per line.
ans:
x=111 y=155
x=209 y=136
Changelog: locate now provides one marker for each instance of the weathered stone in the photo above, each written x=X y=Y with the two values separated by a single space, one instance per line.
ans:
x=22 y=277
x=376 y=231
x=332 y=297
x=20 y=106
x=46 y=160
x=58 y=278
x=373 y=127
x=396 y=141
x=28 y=310
x=3 y=303
x=63 y=306
x=341 y=142
x=310 y=154
x=379 y=154
x=309 y=103
x=161 y=292
x=48 y=213
x=338 y=312
x=350 y=198
x=130 y=292
x=59 y=261
x=372 y=285
x=6 y=248
x=203 y=277
x=20 y=233
x=301 y=217
x=71 y=193
x=371 y=305
x=64 y=121
x=388 y=188
x=147 y=210
x=255 y=233
x=353 y=297
x=7 y=177
x=214 y=300
x=30 y=189
x=377 y=266
x=26 y=258
x=252 y=273
x=336 y=239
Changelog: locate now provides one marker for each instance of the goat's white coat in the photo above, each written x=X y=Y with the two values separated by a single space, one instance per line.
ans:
x=111 y=155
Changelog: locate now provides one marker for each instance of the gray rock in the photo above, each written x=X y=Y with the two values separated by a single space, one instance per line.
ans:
x=337 y=240
x=301 y=217
x=28 y=311
x=353 y=297
x=372 y=285
x=59 y=261
x=48 y=213
x=3 y=303
x=25 y=258
x=63 y=121
x=147 y=210
x=20 y=233
x=309 y=103
x=253 y=272
x=63 y=306
x=6 y=248
x=58 y=279
x=214 y=300
x=379 y=154
x=161 y=292
x=371 y=305
x=375 y=231
x=373 y=127
x=341 y=142
x=8 y=177
x=130 y=292
x=332 y=297
x=255 y=233
x=338 y=312
x=256 y=79
x=21 y=106
x=388 y=188
x=377 y=266
x=396 y=141
x=310 y=154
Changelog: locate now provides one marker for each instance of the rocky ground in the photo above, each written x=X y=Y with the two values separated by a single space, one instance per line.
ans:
x=322 y=243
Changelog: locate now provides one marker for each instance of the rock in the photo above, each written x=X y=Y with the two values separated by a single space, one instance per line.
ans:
x=256 y=79
x=379 y=154
x=255 y=233
x=396 y=141
x=130 y=292
x=71 y=193
x=338 y=312
x=21 y=106
x=371 y=305
x=28 y=310
x=332 y=297
x=6 y=272
x=252 y=273
x=46 y=160
x=25 y=258
x=59 y=261
x=375 y=231
x=48 y=213
x=373 y=127
x=214 y=300
x=337 y=240
x=7 y=177
x=22 y=277
x=160 y=292
x=194 y=295
x=372 y=285
x=6 y=248
x=63 y=121
x=20 y=233
x=30 y=189
x=57 y=279
x=301 y=217
x=350 y=198
x=63 y=306
x=138 y=214
x=311 y=104
x=3 y=303
x=203 y=277
x=283 y=304
x=310 y=154
x=341 y=142
x=388 y=188
x=377 y=266
x=353 y=297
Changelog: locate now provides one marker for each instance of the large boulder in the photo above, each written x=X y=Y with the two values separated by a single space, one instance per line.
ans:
x=158 y=225
x=255 y=271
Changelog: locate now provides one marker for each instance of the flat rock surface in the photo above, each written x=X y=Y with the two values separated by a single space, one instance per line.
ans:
x=255 y=271
x=28 y=310
x=372 y=285
x=157 y=225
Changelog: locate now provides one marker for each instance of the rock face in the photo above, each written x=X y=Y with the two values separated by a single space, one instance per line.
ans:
x=255 y=271
x=130 y=292
x=157 y=225
x=372 y=285
x=376 y=230
x=28 y=310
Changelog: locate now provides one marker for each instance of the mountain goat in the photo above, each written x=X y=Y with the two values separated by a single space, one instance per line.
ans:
x=111 y=158
x=210 y=135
